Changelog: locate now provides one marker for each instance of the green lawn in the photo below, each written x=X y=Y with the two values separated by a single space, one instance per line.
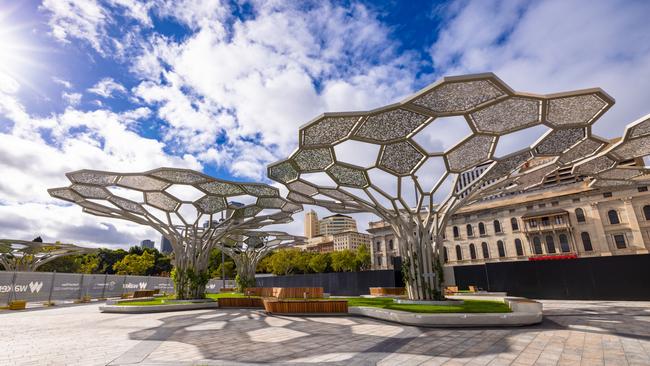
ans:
x=470 y=306
x=159 y=300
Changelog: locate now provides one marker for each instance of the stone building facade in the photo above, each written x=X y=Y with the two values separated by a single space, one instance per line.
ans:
x=566 y=219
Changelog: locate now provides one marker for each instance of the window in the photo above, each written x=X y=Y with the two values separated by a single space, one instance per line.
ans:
x=472 y=251
x=456 y=232
x=564 y=243
x=529 y=207
x=533 y=223
x=546 y=221
x=575 y=200
x=559 y=220
x=379 y=246
x=537 y=245
x=586 y=241
x=481 y=229
x=642 y=189
x=501 y=249
x=512 y=210
x=470 y=231
x=379 y=261
x=550 y=244
x=519 y=248
x=497 y=226
x=542 y=205
x=555 y=203
x=646 y=212
x=607 y=194
x=515 y=224
x=613 y=217
x=485 y=250
x=619 y=240
x=580 y=215
x=459 y=253
x=445 y=256
x=390 y=244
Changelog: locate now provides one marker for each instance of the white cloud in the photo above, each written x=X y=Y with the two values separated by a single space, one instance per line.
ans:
x=71 y=98
x=107 y=87
x=65 y=83
x=553 y=46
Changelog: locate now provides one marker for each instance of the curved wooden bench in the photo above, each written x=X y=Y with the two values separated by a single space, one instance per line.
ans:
x=241 y=302
x=387 y=291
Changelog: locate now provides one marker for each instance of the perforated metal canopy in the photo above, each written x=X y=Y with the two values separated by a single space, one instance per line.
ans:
x=21 y=255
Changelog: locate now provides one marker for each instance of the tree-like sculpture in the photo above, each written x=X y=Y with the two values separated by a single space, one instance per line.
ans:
x=27 y=256
x=248 y=247
x=194 y=211
x=400 y=185
x=615 y=166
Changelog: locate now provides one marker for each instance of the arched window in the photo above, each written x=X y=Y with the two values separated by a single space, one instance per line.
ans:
x=497 y=226
x=501 y=249
x=459 y=253
x=456 y=232
x=550 y=244
x=390 y=244
x=586 y=241
x=580 y=215
x=537 y=245
x=470 y=231
x=564 y=243
x=445 y=256
x=613 y=217
x=378 y=246
x=519 y=248
x=646 y=212
x=472 y=251
x=485 y=250
x=515 y=224
x=481 y=228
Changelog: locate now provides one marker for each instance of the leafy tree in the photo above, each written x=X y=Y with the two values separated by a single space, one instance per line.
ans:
x=88 y=263
x=344 y=261
x=320 y=262
x=65 y=264
x=230 y=270
x=108 y=258
x=363 y=258
x=134 y=264
x=283 y=261
x=265 y=265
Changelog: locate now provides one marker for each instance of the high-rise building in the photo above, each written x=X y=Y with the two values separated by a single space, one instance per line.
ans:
x=311 y=224
x=147 y=244
x=335 y=224
x=165 y=245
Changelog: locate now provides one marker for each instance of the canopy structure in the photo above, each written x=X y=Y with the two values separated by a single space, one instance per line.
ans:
x=416 y=188
x=248 y=247
x=193 y=210
x=27 y=256
x=614 y=166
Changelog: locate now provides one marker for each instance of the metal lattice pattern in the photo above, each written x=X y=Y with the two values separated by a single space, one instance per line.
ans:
x=21 y=255
x=621 y=164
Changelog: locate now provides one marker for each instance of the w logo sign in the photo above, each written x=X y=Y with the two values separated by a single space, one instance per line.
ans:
x=143 y=285
x=35 y=286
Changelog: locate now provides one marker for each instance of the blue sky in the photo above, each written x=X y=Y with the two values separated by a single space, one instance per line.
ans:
x=222 y=86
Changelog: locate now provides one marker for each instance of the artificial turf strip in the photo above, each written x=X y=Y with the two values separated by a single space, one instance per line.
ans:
x=469 y=306
x=158 y=300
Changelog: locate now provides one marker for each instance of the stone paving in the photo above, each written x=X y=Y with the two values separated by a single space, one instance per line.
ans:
x=573 y=333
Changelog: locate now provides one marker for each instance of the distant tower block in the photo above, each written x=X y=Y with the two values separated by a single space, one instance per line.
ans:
x=311 y=224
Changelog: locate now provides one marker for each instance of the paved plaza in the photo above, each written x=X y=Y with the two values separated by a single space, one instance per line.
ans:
x=573 y=333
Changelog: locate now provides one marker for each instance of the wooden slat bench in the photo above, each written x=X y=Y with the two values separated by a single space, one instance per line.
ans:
x=286 y=292
x=387 y=291
x=241 y=302
x=276 y=306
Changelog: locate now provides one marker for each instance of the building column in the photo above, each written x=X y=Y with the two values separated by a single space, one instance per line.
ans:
x=636 y=241
x=599 y=241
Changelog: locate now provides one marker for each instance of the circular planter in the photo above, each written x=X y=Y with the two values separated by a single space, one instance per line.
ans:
x=428 y=302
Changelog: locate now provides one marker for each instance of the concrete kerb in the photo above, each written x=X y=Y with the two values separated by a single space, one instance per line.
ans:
x=135 y=309
x=524 y=312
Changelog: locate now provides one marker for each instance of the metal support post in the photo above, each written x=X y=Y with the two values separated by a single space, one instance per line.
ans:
x=104 y=287
x=49 y=296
